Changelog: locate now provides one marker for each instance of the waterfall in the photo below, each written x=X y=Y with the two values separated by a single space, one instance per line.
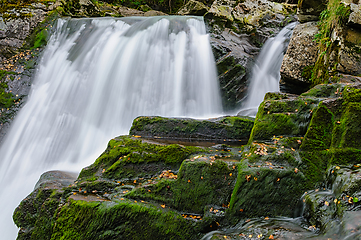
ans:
x=265 y=75
x=95 y=77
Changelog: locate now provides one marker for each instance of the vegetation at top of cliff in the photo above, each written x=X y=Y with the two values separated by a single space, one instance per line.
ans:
x=331 y=18
x=9 y=5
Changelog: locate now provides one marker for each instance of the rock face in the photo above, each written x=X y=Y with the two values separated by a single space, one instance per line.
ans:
x=330 y=52
x=301 y=55
x=309 y=10
x=238 y=30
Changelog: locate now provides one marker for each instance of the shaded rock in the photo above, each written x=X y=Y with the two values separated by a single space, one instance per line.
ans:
x=355 y=15
x=225 y=128
x=233 y=54
x=222 y=9
x=309 y=10
x=301 y=55
x=193 y=7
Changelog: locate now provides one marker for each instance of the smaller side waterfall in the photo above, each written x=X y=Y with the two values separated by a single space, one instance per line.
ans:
x=265 y=75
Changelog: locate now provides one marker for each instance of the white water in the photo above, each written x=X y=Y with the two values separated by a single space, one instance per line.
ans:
x=95 y=77
x=265 y=74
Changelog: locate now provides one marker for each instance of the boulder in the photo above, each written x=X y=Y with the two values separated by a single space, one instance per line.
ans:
x=222 y=9
x=301 y=55
x=193 y=7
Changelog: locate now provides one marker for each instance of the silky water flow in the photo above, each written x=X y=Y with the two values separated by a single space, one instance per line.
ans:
x=265 y=74
x=95 y=77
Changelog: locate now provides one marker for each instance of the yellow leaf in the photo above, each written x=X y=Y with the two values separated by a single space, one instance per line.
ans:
x=271 y=237
x=327 y=203
x=163 y=205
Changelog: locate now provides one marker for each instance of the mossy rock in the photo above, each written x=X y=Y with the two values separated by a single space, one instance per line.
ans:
x=128 y=158
x=35 y=213
x=266 y=191
x=229 y=128
x=281 y=116
x=119 y=220
x=200 y=182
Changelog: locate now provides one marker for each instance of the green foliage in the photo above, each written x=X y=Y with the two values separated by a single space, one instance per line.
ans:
x=7 y=99
x=331 y=18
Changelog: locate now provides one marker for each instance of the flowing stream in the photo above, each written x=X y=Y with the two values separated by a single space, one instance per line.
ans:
x=265 y=75
x=95 y=77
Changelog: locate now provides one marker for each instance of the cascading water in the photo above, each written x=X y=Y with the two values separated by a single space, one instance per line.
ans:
x=95 y=77
x=265 y=74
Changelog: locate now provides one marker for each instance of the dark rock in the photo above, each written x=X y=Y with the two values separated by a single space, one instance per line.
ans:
x=225 y=128
x=309 y=10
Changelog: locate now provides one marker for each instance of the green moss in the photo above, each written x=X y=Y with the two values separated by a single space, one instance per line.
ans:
x=222 y=128
x=122 y=220
x=199 y=183
x=319 y=133
x=269 y=125
x=324 y=91
x=347 y=132
x=345 y=156
x=261 y=191
x=125 y=151
x=314 y=165
x=282 y=115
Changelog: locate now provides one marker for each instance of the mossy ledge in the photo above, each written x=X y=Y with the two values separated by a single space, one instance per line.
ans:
x=224 y=128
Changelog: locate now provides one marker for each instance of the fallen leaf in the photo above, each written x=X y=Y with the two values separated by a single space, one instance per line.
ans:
x=271 y=237
x=162 y=205
x=327 y=203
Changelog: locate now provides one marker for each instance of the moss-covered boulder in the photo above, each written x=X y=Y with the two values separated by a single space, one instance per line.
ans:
x=220 y=129
x=35 y=213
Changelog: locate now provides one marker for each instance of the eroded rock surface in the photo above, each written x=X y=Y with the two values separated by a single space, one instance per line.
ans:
x=301 y=54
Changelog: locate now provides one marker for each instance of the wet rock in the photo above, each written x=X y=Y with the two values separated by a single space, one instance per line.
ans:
x=301 y=55
x=193 y=7
x=283 y=115
x=225 y=128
